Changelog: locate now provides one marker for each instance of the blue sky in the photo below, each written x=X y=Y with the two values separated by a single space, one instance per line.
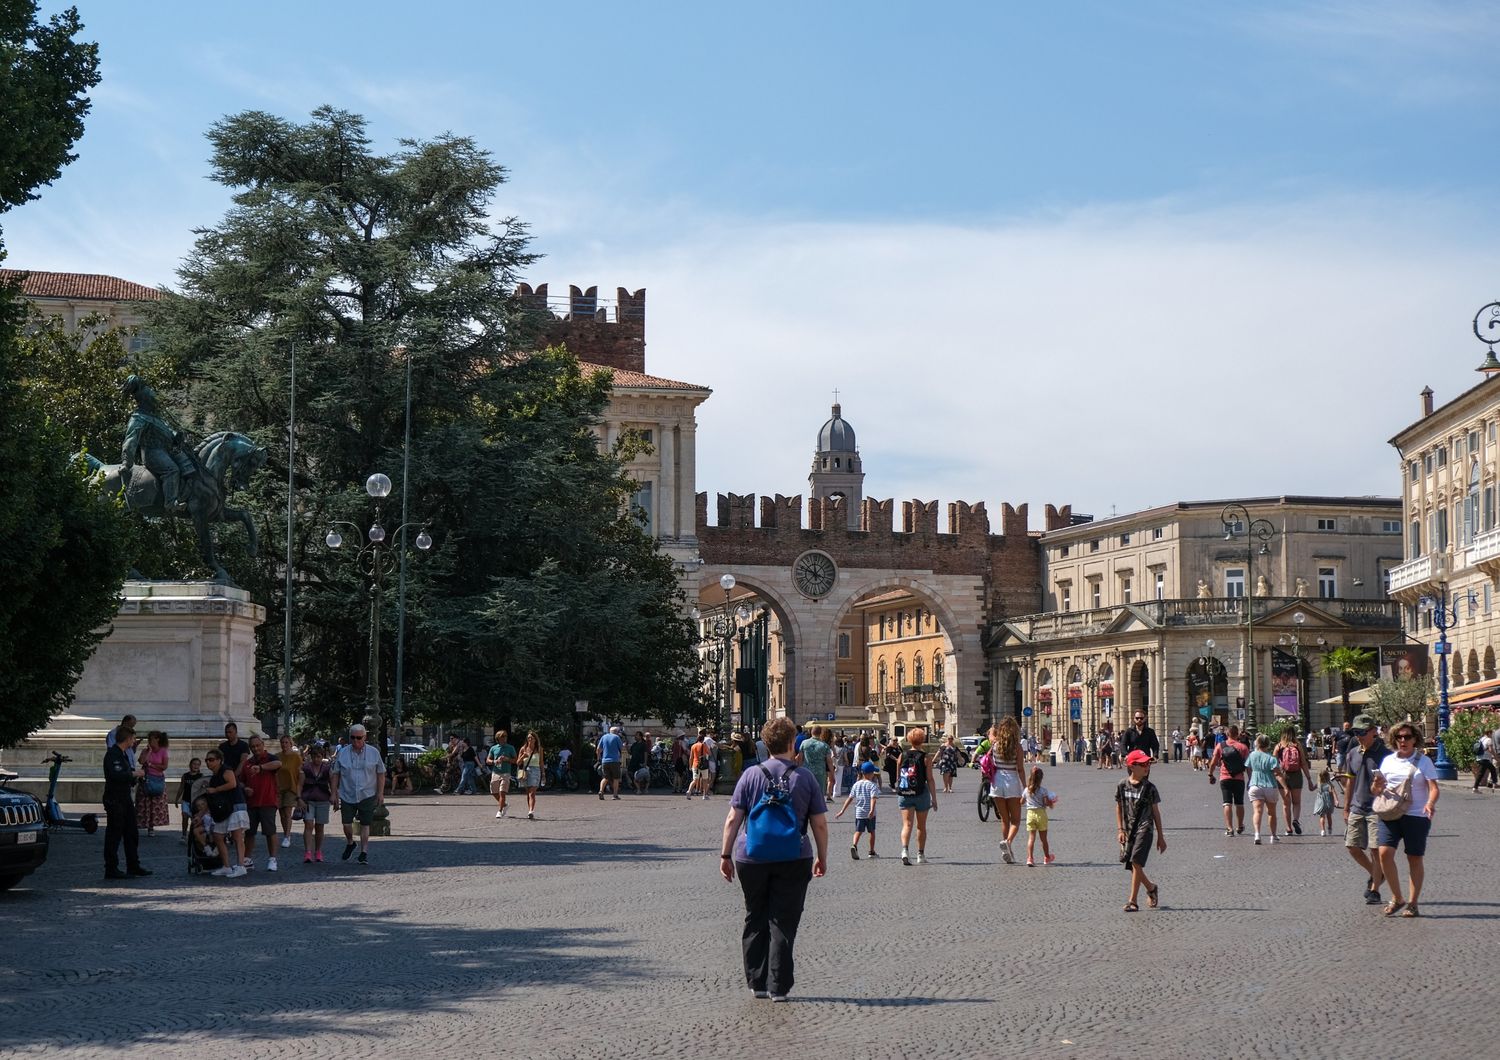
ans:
x=1064 y=253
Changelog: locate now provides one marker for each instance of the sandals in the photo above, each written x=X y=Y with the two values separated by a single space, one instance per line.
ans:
x=1393 y=907
x=1151 y=893
x=1412 y=911
x=1131 y=907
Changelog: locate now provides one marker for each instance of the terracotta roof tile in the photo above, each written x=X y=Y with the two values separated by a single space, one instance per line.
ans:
x=81 y=285
x=625 y=378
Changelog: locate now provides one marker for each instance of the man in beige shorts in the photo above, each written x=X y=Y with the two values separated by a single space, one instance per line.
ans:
x=1361 y=762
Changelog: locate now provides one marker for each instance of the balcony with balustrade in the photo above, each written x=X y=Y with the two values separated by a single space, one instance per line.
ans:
x=1484 y=553
x=1419 y=577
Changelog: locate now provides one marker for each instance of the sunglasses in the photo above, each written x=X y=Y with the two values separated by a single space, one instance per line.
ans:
x=1402 y=737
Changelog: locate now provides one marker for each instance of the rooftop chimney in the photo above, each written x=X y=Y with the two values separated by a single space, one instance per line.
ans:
x=1427 y=401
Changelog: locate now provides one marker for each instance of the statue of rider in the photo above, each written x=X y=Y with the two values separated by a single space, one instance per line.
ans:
x=150 y=440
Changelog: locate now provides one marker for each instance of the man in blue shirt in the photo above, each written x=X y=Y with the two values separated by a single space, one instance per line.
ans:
x=608 y=752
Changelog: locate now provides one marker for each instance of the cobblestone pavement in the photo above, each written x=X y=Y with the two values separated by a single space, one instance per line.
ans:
x=602 y=930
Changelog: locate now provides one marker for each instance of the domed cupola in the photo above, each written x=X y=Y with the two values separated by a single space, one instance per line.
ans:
x=836 y=467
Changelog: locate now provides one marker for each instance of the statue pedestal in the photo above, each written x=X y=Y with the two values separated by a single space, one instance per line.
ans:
x=180 y=656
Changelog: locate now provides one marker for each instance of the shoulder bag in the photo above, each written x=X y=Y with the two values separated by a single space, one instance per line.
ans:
x=1392 y=803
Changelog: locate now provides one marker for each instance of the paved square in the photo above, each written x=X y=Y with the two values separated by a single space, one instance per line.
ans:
x=603 y=930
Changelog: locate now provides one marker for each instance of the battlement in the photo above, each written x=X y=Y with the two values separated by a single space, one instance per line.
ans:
x=782 y=515
x=599 y=332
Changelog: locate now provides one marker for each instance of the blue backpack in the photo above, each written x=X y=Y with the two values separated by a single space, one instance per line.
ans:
x=772 y=831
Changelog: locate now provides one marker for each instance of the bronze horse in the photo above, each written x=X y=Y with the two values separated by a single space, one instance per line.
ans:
x=225 y=463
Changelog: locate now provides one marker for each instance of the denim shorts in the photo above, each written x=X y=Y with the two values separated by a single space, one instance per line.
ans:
x=921 y=803
x=1409 y=831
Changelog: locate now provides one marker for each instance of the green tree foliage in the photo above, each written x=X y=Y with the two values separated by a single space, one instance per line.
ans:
x=540 y=589
x=1465 y=726
x=1400 y=699
x=45 y=72
x=1349 y=665
x=66 y=553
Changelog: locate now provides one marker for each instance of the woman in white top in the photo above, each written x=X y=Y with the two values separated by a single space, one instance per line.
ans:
x=1407 y=765
x=1005 y=790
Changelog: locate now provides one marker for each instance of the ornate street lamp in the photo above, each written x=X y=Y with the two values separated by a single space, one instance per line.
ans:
x=1210 y=662
x=1237 y=521
x=375 y=561
x=1444 y=618
x=1291 y=640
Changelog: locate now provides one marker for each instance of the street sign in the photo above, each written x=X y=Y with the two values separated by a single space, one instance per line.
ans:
x=580 y=706
x=1026 y=712
x=1205 y=711
x=1075 y=711
x=830 y=716
x=1239 y=715
x=1442 y=648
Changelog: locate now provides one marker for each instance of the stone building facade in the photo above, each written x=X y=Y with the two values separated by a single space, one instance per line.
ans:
x=76 y=296
x=1131 y=603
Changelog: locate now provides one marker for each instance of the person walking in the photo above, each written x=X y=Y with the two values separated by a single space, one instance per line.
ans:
x=917 y=795
x=1410 y=779
x=1325 y=803
x=1363 y=757
x=1293 y=759
x=468 y=763
x=1005 y=789
x=358 y=777
x=1140 y=737
x=1177 y=743
x=679 y=764
x=1266 y=778
x=1484 y=762
x=1229 y=759
x=316 y=794
x=184 y=798
x=233 y=748
x=864 y=793
x=1137 y=816
x=529 y=769
x=774 y=866
x=1038 y=800
x=946 y=763
x=258 y=776
x=609 y=753
x=120 y=775
x=453 y=765
x=502 y=760
x=228 y=816
x=698 y=759
x=816 y=756
x=151 y=792
x=288 y=785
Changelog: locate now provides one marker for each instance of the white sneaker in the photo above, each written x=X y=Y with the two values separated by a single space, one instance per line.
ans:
x=530 y=816
x=921 y=858
x=238 y=871
x=248 y=864
x=222 y=870
x=271 y=865
x=286 y=840
x=1005 y=854
x=499 y=814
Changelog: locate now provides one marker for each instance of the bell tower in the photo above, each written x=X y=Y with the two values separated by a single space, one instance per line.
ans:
x=836 y=468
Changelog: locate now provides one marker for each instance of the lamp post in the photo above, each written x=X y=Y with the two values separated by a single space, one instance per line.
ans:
x=724 y=632
x=1444 y=618
x=1210 y=661
x=1237 y=521
x=1292 y=640
x=375 y=561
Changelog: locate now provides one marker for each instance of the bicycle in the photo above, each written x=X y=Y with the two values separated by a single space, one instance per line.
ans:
x=986 y=802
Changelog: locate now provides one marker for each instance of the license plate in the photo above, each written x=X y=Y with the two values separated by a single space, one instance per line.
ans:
x=22 y=838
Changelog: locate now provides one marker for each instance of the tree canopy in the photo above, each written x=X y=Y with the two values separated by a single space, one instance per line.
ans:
x=540 y=588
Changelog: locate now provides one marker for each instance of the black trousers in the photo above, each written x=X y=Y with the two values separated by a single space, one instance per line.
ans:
x=1482 y=767
x=774 y=894
x=119 y=823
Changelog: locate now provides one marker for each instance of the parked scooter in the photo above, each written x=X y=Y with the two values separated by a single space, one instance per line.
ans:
x=89 y=822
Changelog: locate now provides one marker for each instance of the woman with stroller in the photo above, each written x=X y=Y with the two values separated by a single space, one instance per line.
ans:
x=230 y=817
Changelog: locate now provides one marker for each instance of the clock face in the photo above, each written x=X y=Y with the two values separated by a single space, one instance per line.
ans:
x=814 y=574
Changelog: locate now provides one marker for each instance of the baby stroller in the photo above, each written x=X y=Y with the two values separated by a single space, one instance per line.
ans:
x=201 y=858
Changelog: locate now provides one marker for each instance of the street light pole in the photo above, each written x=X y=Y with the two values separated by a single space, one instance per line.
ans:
x=1293 y=641
x=1234 y=516
x=1444 y=618
x=1209 y=660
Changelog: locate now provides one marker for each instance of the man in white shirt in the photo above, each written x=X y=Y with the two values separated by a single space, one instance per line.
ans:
x=1485 y=762
x=359 y=786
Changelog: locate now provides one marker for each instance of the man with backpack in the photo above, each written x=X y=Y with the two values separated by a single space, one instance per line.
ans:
x=1229 y=758
x=1484 y=761
x=777 y=802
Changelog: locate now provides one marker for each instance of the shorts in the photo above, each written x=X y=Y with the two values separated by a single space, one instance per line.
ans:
x=187 y=811
x=1233 y=792
x=1409 y=831
x=534 y=776
x=1266 y=795
x=1036 y=820
x=703 y=774
x=864 y=824
x=287 y=800
x=611 y=770
x=237 y=821
x=1140 y=849
x=921 y=803
x=364 y=809
x=263 y=820
x=316 y=813
x=499 y=783
x=1006 y=785
x=1293 y=779
x=1360 y=832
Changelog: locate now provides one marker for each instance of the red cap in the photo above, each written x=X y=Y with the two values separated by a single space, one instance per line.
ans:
x=1138 y=758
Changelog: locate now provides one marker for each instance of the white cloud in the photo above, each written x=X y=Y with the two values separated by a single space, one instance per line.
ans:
x=1110 y=357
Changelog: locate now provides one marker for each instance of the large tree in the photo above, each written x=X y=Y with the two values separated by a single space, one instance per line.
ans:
x=368 y=263
x=45 y=73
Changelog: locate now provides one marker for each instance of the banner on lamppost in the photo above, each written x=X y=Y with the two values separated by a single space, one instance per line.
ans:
x=1285 y=697
x=1403 y=660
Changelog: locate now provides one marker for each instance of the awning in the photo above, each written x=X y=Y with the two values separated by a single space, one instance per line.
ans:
x=1358 y=698
x=1468 y=693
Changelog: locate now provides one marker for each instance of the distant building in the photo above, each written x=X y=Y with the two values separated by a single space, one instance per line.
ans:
x=75 y=296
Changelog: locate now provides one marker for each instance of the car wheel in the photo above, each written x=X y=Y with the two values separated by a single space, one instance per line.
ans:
x=7 y=882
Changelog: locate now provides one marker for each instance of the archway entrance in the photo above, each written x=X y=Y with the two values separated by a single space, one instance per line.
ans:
x=1207 y=693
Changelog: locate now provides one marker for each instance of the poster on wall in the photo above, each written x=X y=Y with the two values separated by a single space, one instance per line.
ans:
x=1403 y=660
x=1044 y=699
x=1285 y=698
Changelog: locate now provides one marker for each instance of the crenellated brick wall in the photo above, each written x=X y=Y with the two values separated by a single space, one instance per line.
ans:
x=588 y=329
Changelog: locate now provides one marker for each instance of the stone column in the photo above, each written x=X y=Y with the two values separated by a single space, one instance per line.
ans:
x=667 y=506
x=687 y=482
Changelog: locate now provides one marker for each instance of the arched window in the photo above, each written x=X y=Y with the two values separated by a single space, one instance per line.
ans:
x=919 y=671
x=900 y=673
x=881 y=678
x=1471 y=505
x=939 y=674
